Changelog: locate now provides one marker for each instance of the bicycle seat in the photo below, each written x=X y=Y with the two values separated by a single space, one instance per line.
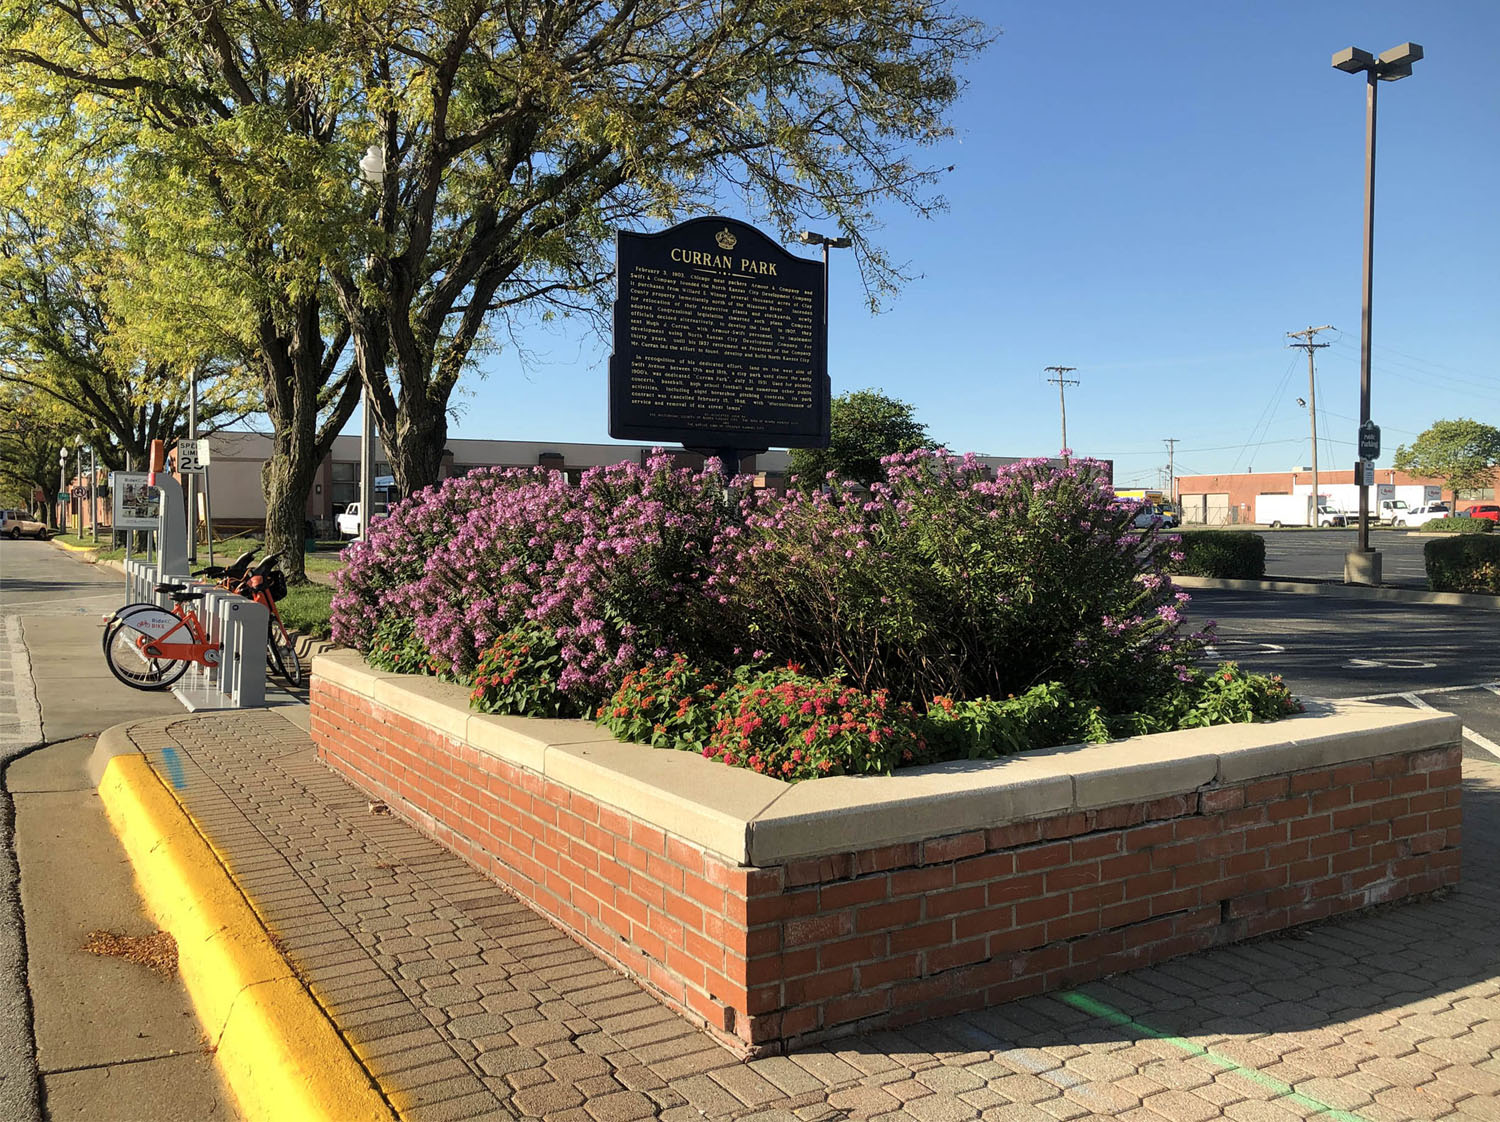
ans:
x=170 y=587
x=184 y=597
x=212 y=571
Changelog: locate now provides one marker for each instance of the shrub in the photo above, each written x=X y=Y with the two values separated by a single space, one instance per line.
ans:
x=987 y=728
x=791 y=725
x=940 y=582
x=394 y=646
x=1463 y=564
x=614 y=567
x=1453 y=524
x=518 y=674
x=377 y=571
x=1227 y=554
x=665 y=705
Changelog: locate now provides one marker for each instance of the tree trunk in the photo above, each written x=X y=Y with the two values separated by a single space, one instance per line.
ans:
x=416 y=454
x=286 y=478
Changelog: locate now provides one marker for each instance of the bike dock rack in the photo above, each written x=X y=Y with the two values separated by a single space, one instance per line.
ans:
x=240 y=627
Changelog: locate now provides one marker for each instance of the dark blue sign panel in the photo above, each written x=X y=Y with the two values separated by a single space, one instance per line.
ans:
x=719 y=340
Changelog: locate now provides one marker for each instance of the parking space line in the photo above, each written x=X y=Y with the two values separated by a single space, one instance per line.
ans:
x=1493 y=687
x=1097 y=1008
x=1469 y=734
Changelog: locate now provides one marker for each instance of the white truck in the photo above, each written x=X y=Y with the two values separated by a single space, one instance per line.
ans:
x=1287 y=510
x=1389 y=502
x=348 y=522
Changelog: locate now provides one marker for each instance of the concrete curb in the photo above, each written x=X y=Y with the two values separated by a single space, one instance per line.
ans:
x=279 y=1053
x=1345 y=591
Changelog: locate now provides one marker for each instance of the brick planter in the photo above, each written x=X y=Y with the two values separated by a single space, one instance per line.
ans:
x=784 y=914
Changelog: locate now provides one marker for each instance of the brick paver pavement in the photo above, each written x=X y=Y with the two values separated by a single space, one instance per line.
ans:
x=463 y=1004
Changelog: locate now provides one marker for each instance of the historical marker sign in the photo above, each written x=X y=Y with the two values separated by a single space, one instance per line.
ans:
x=720 y=340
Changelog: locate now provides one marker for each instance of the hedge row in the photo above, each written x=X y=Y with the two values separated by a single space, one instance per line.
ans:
x=1229 y=554
x=1454 y=524
x=1463 y=564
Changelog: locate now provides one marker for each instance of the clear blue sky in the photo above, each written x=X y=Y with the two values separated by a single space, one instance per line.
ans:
x=1156 y=194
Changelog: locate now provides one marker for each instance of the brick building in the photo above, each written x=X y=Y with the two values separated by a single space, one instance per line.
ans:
x=1229 y=499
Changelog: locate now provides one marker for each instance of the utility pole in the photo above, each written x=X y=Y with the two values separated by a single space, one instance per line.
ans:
x=1171 y=443
x=1062 y=381
x=1309 y=346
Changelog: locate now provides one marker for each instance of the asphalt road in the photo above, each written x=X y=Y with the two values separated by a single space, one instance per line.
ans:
x=1319 y=554
x=1394 y=653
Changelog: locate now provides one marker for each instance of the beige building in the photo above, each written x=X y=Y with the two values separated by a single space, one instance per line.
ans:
x=236 y=497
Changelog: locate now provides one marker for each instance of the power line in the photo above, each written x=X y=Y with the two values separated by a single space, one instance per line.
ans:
x=1062 y=381
x=1309 y=346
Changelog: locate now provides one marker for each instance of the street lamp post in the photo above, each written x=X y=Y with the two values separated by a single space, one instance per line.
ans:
x=62 y=487
x=808 y=237
x=1363 y=565
x=372 y=172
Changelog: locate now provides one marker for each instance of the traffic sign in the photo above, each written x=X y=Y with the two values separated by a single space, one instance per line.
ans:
x=1364 y=473
x=187 y=457
x=1369 y=441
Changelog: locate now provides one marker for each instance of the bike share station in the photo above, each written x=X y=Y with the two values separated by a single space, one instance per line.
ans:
x=232 y=674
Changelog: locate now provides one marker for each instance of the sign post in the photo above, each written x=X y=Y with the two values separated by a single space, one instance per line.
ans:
x=720 y=341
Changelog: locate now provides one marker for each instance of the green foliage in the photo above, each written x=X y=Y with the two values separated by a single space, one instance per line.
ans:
x=518 y=674
x=1229 y=554
x=789 y=725
x=1463 y=564
x=1464 y=452
x=864 y=426
x=987 y=728
x=396 y=648
x=1453 y=524
x=665 y=705
x=305 y=609
x=943 y=581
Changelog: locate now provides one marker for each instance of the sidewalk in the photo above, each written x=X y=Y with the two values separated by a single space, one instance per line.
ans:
x=459 y=1003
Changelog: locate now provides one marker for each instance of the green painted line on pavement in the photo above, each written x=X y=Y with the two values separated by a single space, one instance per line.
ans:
x=1096 y=1008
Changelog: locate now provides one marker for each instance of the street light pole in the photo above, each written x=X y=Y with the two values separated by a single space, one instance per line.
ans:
x=372 y=171
x=806 y=237
x=1363 y=565
x=62 y=488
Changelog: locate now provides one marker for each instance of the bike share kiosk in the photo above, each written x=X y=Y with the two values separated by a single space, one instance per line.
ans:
x=232 y=674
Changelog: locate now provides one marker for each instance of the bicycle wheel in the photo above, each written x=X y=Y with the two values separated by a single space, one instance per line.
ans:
x=283 y=652
x=126 y=661
x=114 y=621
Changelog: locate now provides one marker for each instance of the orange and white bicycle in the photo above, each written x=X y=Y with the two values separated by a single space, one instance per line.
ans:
x=149 y=647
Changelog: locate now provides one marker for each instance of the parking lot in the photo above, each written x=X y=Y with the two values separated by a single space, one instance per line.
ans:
x=1393 y=653
x=1319 y=554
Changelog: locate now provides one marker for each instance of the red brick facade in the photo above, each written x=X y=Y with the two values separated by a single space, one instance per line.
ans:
x=779 y=957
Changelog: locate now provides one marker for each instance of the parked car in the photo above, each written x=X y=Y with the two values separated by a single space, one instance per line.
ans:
x=1331 y=516
x=1481 y=510
x=16 y=524
x=1422 y=515
x=348 y=521
x=1163 y=516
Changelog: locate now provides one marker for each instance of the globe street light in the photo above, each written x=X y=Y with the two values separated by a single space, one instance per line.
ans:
x=62 y=487
x=1363 y=565
x=372 y=173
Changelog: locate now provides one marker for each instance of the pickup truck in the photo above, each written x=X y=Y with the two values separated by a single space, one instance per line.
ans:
x=1422 y=515
x=15 y=524
x=348 y=522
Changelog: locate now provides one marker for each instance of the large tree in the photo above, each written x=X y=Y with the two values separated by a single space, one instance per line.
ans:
x=863 y=426
x=224 y=198
x=1463 y=452
x=516 y=136
x=63 y=273
x=33 y=429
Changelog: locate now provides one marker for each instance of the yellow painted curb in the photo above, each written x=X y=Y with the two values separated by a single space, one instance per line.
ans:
x=278 y=1051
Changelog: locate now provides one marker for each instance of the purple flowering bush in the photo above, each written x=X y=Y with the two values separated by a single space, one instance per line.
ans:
x=939 y=582
x=937 y=614
x=614 y=567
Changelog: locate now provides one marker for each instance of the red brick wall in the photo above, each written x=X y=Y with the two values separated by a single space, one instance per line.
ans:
x=812 y=949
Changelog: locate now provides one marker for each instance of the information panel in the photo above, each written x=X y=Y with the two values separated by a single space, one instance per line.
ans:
x=137 y=505
x=719 y=340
